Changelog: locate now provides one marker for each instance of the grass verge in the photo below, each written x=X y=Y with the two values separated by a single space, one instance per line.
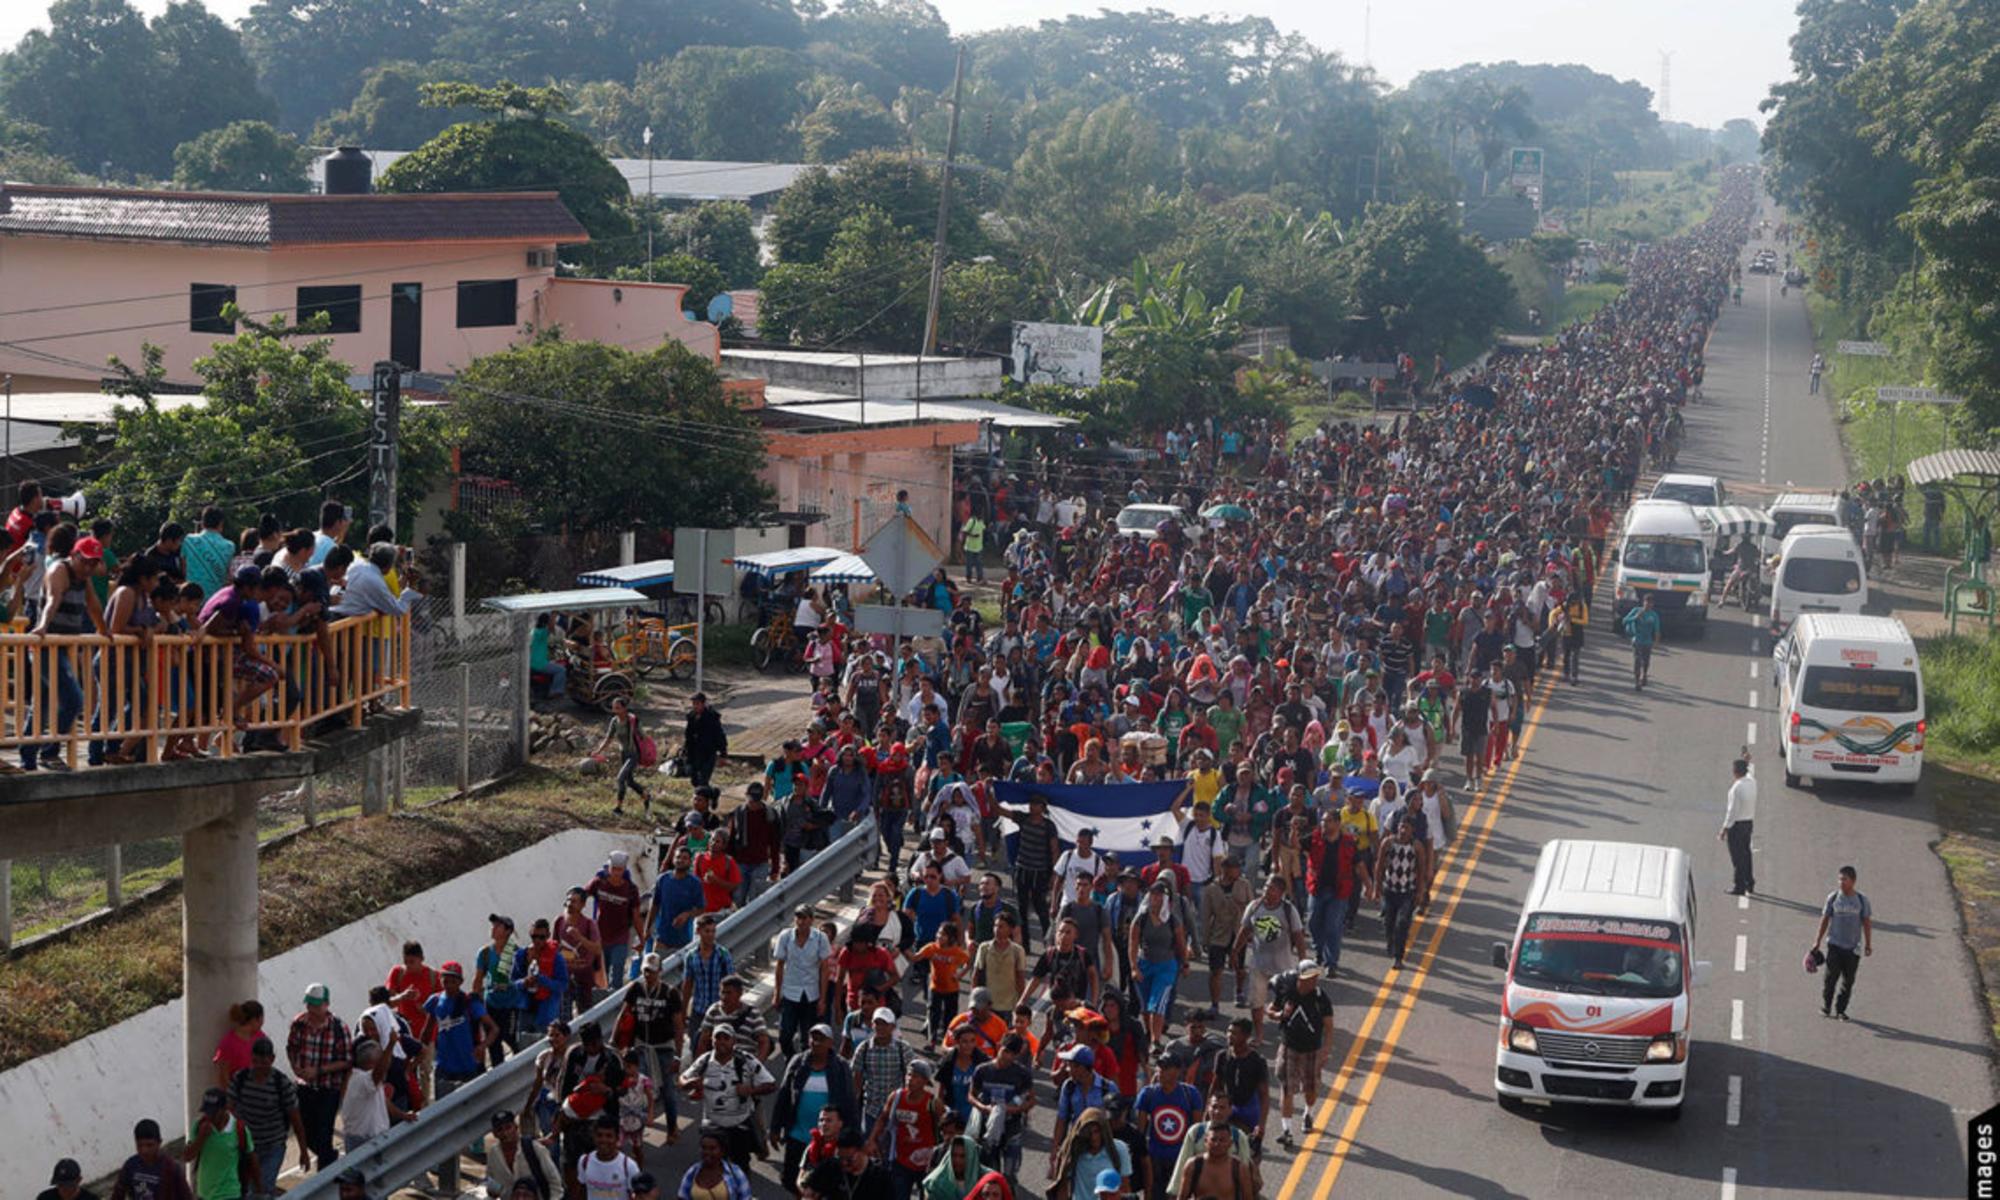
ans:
x=1967 y=799
x=1344 y=407
x=310 y=885
x=1581 y=301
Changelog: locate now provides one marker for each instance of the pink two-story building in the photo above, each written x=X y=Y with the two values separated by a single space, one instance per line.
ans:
x=428 y=281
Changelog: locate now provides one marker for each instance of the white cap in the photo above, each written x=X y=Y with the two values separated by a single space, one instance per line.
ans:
x=619 y=858
x=885 y=1013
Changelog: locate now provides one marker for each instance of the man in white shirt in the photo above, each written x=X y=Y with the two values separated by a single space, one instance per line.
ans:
x=606 y=1173
x=1737 y=814
x=800 y=955
x=1078 y=867
x=1203 y=843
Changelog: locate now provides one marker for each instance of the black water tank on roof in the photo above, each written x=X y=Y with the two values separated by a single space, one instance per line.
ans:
x=348 y=172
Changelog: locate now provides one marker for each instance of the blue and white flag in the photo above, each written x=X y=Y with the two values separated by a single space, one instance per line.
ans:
x=1128 y=817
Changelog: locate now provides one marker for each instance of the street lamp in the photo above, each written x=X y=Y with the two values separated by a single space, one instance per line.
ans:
x=647 y=137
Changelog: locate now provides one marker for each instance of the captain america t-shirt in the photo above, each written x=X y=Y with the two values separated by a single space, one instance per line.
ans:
x=1168 y=1113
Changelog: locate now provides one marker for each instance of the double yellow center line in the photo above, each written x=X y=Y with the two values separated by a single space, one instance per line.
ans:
x=1453 y=877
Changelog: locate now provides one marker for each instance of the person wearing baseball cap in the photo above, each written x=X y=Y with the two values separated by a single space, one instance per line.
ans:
x=512 y=1159
x=66 y=1183
x=1081 y=1088
x=71 y=608
x=716 y=1078
x=463 y=1031
x=216 y=1145
x=493 y=975
x=321 y=1053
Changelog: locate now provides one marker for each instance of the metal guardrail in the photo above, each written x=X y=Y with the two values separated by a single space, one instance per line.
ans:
x=455 y=1122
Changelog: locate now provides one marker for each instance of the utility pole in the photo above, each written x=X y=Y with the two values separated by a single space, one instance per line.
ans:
x=385 y=415
x=652 y=207
x=944 y=210
x=1589 y=176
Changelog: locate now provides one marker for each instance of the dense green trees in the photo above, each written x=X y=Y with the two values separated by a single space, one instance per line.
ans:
x=598 y=437
x=1887 y=138
x=106 y=86
x=242 y=156
x=519 y=148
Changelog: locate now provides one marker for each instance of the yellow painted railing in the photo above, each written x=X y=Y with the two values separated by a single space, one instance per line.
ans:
x=182 y=691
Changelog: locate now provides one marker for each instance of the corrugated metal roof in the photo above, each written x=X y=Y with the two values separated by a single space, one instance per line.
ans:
x=210 y=219
x=258 y=221
x=1949 y=464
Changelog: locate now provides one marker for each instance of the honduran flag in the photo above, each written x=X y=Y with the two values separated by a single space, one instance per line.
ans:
x=1128 y=817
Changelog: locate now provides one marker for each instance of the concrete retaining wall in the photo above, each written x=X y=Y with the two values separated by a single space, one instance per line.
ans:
x=81 y=1101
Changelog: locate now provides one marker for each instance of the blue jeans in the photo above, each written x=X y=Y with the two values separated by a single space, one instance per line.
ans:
x=270 y=1161
x=891 y=823
x=69 y=706
x=1328 y=919
x=754 y=881
x=614 y=962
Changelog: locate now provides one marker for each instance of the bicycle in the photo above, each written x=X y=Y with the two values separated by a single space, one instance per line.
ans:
x=650 y=644
x=777 y=642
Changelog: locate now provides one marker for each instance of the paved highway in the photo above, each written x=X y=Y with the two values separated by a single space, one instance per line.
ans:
x=1781 y=1100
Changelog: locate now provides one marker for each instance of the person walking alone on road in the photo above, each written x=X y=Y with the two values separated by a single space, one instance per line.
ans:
x=972 y=540
x=1847 y=927
x=1643 y=624
x=704 y=741
x=1737 y=816
x=1818 y=365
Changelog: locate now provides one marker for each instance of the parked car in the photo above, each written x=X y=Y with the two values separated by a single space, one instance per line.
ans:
x=1144 y=520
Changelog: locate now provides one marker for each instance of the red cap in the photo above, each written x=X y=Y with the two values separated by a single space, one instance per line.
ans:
x=88 y=547
x=452 y=967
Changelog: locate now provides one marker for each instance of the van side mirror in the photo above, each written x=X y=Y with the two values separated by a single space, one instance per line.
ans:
x=1500 y=950
x=1702 y=970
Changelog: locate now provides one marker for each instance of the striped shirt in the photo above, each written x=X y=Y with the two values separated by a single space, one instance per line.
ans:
x=265 y=1108
x=746 y=1021
x=1037 y=848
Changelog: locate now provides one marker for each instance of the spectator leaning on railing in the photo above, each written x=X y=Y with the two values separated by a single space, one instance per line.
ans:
x=368 y=589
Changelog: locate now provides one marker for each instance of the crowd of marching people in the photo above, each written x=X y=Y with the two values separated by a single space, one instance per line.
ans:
x=1319 y=678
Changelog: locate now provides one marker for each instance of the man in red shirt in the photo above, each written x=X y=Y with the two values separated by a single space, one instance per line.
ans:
x=718 y=872
x=1163 y=863
x=616 y=899
x=861 y=956
x=409 y=986
x=1335 y=878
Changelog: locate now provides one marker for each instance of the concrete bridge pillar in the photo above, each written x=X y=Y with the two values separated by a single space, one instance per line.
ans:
x=219 y=925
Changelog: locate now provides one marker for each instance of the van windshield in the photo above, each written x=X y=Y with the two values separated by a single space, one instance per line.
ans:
x=1822 y=576
x=1686 y=493
x=1859 y=689
x=1600 y=956
x=1784 y=520
x=1663 y=554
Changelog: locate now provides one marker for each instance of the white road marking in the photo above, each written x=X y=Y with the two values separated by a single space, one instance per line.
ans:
x=1753 y=697
x=1729 y=1183
x=1750 y=735
x=1735 y=1020
x=1742 y=951
x=1756 y=647
x=1735 y=1112
x=1743 y=902
x=1753 y=669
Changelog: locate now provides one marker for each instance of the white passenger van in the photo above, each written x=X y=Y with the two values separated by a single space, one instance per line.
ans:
x=1599 y=998
x=1800 y=508
x=1665 y=549
x=1819 y=571
x=1699 y=490
x=1850 y=700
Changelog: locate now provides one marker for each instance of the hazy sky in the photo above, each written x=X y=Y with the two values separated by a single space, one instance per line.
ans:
x=1726 y=53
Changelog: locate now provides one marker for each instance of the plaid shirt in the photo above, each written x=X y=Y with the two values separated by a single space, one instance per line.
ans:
x=880 y=1069
x=705 y=976
x=327 y=1050
x=1397 y=864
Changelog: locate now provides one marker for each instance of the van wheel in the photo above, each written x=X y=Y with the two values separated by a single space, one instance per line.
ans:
x=1791 y=780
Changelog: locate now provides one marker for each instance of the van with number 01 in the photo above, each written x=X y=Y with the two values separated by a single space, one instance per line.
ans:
x=1850 y=700
x=1599 y=999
